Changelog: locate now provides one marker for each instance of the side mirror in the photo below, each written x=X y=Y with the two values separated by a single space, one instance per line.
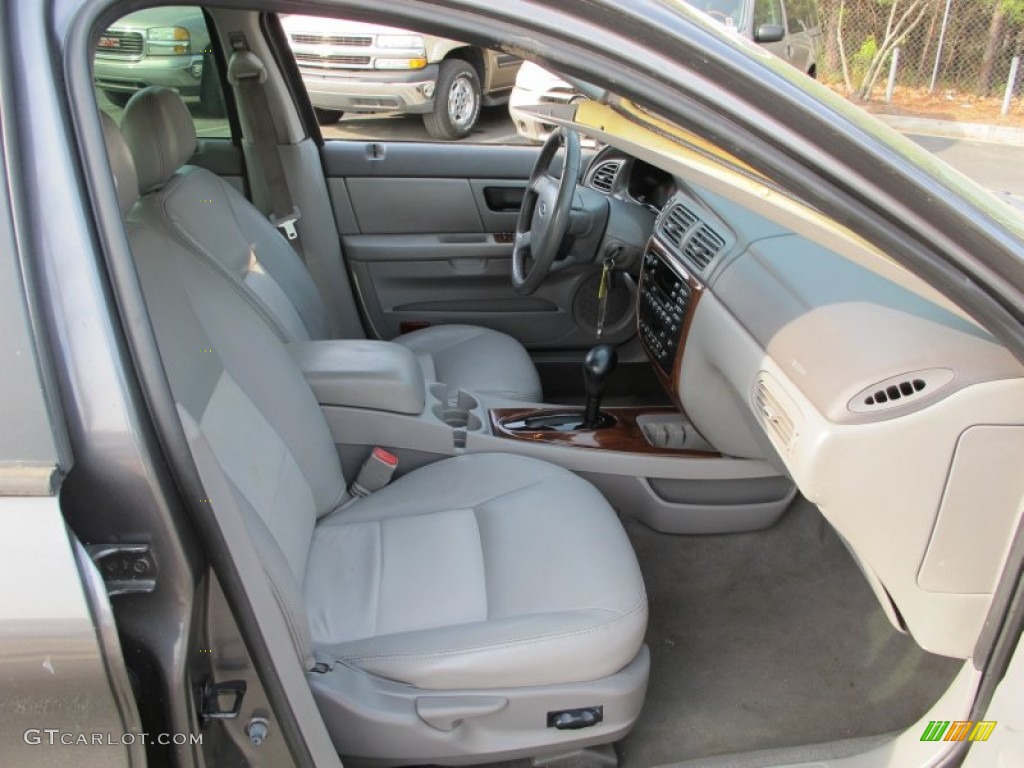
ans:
x=769 y=33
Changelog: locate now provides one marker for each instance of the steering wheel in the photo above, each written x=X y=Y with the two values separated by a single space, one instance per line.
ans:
x=544 y=216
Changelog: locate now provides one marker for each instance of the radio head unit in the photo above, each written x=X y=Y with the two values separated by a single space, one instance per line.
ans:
x=664 y=299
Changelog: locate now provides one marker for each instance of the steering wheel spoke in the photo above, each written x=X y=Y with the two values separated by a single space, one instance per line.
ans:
x=522 y=241
x=545 y=215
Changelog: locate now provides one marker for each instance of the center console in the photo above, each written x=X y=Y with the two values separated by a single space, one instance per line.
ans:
x=650 y=431
x=666 y=301
x=651 y=462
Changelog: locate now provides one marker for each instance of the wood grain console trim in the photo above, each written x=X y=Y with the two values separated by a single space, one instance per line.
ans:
x=625 y=435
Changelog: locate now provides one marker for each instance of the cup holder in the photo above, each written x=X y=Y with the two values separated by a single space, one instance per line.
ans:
x=458 y=410
x=457 y=418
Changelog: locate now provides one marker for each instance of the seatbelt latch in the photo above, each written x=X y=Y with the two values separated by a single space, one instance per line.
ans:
x=286 y=223
x=375 y=473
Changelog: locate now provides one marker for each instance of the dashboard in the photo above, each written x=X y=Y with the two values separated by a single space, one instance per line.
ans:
x=895 y=413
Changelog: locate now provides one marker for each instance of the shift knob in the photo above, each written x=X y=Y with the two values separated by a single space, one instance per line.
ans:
x=597 y=367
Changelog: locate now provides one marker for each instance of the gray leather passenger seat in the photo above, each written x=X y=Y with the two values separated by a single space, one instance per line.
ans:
x=210 y=215
x=462 y=612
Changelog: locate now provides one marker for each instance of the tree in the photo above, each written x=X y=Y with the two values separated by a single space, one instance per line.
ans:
x=830 y=18
x=1001 y=10
x=904 y=17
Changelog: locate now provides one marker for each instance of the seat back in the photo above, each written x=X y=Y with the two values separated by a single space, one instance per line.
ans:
x=234 y=381
x=212 y=218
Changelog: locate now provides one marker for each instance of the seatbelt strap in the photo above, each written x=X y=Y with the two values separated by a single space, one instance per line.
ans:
x=247 y=73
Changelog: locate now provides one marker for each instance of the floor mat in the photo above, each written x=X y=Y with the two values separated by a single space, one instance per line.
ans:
x=769 y=639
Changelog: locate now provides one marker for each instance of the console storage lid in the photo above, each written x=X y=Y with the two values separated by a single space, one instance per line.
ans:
x=377 y=375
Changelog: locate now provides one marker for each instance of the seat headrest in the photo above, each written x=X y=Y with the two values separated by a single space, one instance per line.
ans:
x=122 y=165
x=158 y=127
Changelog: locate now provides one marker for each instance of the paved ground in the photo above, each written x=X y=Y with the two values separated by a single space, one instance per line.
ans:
x=495 y=127
x=994 y=166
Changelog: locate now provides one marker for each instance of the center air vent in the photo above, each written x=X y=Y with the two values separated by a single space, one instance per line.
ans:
x=704 y=244
x=676 y=222
x=603 y=177
x=775 y=411
x=693 y=239
x=900 y=390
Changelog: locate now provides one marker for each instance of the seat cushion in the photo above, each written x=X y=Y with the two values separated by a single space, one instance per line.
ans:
x=482 y=571
x=475 y=359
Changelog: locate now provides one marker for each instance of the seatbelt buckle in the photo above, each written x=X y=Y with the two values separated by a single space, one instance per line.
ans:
x=375 y=473
x=286 y=223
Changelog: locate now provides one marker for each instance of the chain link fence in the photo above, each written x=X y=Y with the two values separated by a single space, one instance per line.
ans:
x=938 y=49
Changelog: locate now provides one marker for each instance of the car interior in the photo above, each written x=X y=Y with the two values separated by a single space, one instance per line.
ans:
x=611 y=447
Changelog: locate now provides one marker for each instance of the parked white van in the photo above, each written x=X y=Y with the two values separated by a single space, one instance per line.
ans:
x=790 y=29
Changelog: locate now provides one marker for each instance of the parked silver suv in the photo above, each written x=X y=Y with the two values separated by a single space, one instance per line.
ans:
x=165 y=46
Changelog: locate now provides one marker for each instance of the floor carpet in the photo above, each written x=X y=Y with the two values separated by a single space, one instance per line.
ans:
x=769 y=639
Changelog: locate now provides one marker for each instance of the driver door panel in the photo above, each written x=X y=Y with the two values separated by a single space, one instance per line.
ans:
x=426 y=231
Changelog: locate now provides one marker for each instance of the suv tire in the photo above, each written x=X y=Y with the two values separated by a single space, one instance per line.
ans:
x=327 y=116
x=456 y=101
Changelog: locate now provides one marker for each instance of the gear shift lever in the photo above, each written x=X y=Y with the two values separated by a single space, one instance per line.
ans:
x=597 y=367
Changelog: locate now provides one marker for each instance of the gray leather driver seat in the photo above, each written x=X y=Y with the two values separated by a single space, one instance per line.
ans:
x=463 y=613
x=211 y=216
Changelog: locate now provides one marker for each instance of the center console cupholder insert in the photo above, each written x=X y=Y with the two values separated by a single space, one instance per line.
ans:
x=458 y=410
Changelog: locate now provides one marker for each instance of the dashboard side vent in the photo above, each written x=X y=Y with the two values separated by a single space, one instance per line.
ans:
x=775 y=412
x=704 y=244
x=900 y=390
x=603 y=177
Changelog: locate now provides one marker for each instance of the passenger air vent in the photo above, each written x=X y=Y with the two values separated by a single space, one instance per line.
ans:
x=775 y=411
x=603 y=177
x=704 y=244
x=900 y=390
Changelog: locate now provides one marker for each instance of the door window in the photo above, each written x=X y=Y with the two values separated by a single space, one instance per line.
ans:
x=801 y=15
x=767 y=12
